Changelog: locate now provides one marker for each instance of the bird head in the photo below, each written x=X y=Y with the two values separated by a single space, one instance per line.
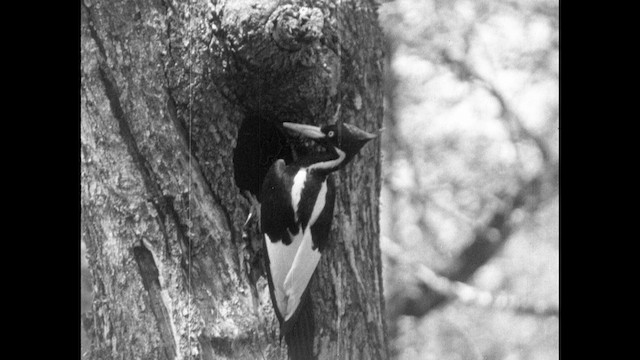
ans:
x=347 y=138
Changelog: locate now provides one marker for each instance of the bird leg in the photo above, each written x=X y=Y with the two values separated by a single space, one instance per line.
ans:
x=252 y=239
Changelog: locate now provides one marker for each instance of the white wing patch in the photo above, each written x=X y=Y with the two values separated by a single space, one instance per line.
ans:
x=298 y=278
x=281 y=258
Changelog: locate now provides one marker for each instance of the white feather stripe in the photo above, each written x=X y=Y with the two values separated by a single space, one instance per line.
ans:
x=321 y=200
x=331 y=164
x=280 y=261
x=296 y=190
x=300 y=274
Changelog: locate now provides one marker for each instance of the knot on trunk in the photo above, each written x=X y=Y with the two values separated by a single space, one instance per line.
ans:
x=293 y=27
x=284 y=64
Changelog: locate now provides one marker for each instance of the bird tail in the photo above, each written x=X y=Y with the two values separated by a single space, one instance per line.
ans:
x=299 y=336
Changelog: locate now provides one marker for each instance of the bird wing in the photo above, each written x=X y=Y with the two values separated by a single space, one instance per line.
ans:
x=292 y=254
x=276 y=216
x=306 y=258
x=276 y=213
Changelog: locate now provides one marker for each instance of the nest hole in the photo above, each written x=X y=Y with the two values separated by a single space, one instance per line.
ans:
x=260 y=143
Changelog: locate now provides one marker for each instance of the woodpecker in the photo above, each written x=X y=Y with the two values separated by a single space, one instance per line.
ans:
x=295 y=217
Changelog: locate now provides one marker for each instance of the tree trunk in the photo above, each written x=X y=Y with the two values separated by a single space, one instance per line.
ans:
x=165 y=89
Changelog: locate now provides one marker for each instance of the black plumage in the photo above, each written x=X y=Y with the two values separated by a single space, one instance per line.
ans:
x=276 y=212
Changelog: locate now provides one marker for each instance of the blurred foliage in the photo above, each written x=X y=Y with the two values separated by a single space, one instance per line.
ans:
x=471 y=116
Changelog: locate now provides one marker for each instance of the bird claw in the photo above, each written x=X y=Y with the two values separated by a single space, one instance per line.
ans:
x=254 y=215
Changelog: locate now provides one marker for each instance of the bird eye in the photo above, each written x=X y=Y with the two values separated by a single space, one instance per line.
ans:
x=331 y=133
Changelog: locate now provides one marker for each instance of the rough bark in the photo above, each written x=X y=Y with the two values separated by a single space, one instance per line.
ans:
x=165 y=88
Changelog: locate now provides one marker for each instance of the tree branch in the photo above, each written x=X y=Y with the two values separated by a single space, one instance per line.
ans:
x=469 y=295
x=489 y=239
